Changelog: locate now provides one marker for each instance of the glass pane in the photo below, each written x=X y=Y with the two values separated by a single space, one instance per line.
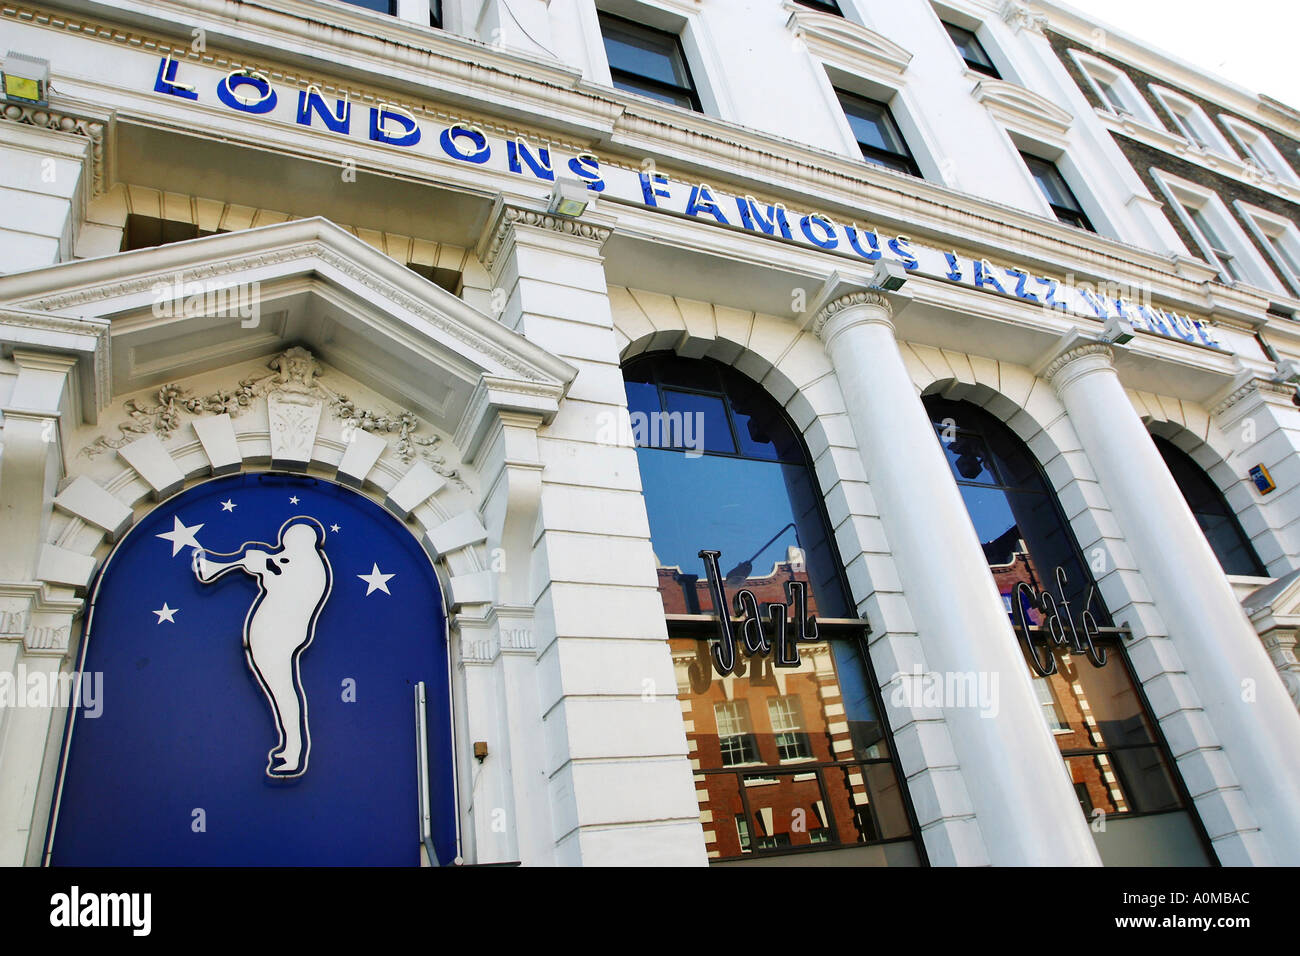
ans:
x=764 y=517
x=696 y=422
x=642 y=397
x=380 y=6
x=1098 y=706
x=644 y=52
x=967 y=456
x=872 y=124
x=654 y=92
x=1123 y=781
x=817 y=715
x=1050 y=182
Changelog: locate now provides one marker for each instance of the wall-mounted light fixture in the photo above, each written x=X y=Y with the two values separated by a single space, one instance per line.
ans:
x=26 y=79
x=569 y=197
x=888 y=275
x=1117 y=331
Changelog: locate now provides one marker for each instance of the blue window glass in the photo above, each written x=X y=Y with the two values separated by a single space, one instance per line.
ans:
x=1112 y=747
x=767 y=740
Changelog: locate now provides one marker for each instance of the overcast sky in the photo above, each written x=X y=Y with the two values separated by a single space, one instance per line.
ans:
x=1252 y=43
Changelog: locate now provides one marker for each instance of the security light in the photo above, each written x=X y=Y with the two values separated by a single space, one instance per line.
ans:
x=1117 y=331
x=26 y=79
x=889 y=275
x=1287 y=371
x=569 y=198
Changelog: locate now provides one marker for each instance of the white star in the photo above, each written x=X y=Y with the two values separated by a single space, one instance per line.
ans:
x=293 y=500
x=228 y=505
x=166 y=614
x=335 y=528
x=375 y=581
x=180 y=536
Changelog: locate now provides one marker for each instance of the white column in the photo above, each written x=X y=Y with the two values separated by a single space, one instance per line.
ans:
x=1243 y=699
x=1024 y=803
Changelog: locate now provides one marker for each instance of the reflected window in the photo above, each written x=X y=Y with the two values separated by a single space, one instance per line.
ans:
x=1112 y=747
x=797 y=758
x=1211 y=511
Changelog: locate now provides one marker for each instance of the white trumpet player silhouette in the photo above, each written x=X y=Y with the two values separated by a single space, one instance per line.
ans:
x=294 y=579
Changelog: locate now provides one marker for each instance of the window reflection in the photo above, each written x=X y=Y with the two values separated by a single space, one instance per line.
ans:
x=1110 y=744
x=786 y=759
x=791 y=757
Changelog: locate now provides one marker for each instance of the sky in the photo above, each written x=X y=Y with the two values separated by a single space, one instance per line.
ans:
x=1251 y=43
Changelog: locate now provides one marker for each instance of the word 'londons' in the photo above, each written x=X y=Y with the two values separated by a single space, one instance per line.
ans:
x=250 y=93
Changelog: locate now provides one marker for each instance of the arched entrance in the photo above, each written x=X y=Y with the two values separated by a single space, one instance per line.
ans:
x=257 y=699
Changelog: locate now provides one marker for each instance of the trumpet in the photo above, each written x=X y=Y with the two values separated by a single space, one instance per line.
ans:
x=206 y=570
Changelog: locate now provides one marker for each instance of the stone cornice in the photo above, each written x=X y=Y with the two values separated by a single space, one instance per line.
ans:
x=839 y=39
x=733 y=156
x=1015 y=104
x=66 y=119
x=1073 y=354
x=506 y=218
x=1262 y=386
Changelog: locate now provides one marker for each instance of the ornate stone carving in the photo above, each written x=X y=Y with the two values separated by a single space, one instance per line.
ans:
x=1020 y=17
x=1250 y=387
x=63 y=122
x=514 y=215
x=1078 y=352
x=293 y=391
x=848 y=300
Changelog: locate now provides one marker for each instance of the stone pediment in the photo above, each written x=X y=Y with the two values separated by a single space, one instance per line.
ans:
x=184 y=309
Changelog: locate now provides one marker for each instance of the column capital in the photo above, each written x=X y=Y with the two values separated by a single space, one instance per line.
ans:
x=1072 y=355
x=507 y=219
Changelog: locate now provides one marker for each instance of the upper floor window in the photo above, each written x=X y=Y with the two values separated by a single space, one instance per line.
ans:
x=1221 y=241
x=825 y=6
x=1191 y=121
x=971 y=50
x=1278 y=237
x=1115 y=90
x=877 y=134
x=1210 y=508
x=435 y=13
x=648 y=61
x=1259 y=150
x=1057 y=192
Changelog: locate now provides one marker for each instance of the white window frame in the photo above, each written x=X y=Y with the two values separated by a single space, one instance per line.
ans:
x=1196 y=127
x=1271 y=229
x=1101 y=74
x=1184 y=197
x=668 y=16
x=899 y=100
x=1253 y=142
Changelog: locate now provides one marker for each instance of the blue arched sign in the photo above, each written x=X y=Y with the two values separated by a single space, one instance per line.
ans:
x=260 y=642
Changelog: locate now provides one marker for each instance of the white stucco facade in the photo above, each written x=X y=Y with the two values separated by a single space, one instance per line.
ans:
x=488 y=407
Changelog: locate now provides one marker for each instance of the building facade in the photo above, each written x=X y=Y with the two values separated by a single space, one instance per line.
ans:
x=674 y=432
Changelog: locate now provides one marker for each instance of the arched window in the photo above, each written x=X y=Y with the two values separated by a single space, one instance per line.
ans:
x=1121 y=768
x=1222 y=530
x=788 y=759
